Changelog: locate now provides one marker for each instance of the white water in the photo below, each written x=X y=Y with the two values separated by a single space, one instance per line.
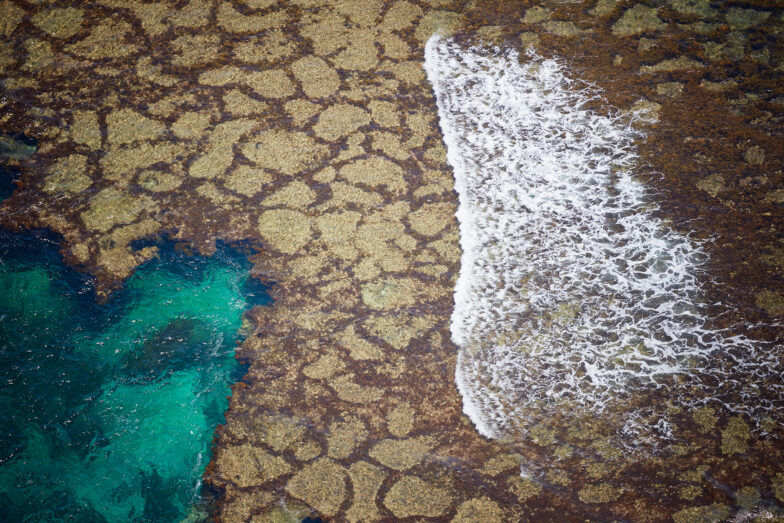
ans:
x=571 y=293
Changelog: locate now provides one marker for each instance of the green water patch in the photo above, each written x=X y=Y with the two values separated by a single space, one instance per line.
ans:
x=107 y=411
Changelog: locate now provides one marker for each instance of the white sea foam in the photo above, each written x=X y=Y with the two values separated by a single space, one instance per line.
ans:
x=571 y=291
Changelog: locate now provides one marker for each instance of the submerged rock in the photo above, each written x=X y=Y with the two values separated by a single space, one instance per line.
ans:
x=412 y=496
x=772 y=302
x=705 y=514
x=700 y=8
x=321 y=485
x=601 y=493
x=734 y=439
x=16 y=147
x=739 y=18
x=638 y=19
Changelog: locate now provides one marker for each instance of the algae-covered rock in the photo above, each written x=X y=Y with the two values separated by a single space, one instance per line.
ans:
x=128 y=126
x=158 y=181
x=478 y=510
x=443 y=22
x=542 y=435
x=431 y=218
x=389 y=293
x=375 y=172
x=338 y=230
x=706 y=418
x=317 y=78
x=322 y=485
x=10 y=16
x=246 y=465
x=400 y=420
x=281 y=432
x=600 y=493
x=191 y=124
x=59 y=22
x=529 y=39
x=739 y=18
x=118 y=163
x=247 y=180
x=689 y=492
x=524 y=488
x=287 y=152
x=536 y=14
x=754 y=155
x=360 y=54
x=604 y=7
x=776 y=196
x=682 y=63
x=564 y=28
x=296 y=194
x=344 y=436
x=638 y=19
x=292 y=512
x=412 y=496
x=340 y=120
x=85 y=129
x=272 y=83
x=358 y=347
x=325 y=367
x=699 y=8
x=502 y=463
x=107 y=40
x=401 y=15
x=748 y=497
x=307 y=450
x=112 y=206
x=284 y=229
x=353 y=392
x=712 y=184
x=670 y=89
x=704 y=514
x=240 y=104
x=402 y=454
x=772 y=302
x=734 y=439
x=68 y=175
x=366 y=480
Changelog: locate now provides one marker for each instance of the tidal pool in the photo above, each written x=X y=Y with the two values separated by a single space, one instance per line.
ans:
x=107 y=411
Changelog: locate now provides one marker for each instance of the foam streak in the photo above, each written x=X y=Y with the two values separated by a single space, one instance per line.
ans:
x=571 y=292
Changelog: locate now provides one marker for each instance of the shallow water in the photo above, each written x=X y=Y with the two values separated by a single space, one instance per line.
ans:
x=108 y=411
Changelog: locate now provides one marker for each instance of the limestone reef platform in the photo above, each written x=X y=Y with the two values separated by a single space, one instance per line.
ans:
x=308 y=130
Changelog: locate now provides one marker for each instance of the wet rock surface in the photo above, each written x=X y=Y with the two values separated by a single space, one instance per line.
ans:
x=307 y=129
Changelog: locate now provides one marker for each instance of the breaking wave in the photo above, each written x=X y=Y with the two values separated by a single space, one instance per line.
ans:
x=571 y=293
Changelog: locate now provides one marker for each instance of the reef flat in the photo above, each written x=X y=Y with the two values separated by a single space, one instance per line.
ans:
x=308 y=128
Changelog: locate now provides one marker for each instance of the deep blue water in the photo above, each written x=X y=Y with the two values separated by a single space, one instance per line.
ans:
x=107 y=411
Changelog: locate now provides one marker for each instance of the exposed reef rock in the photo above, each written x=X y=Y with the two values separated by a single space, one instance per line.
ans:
x=307 y=128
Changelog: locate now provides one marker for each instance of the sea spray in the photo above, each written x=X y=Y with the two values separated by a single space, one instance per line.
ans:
x=572 y=294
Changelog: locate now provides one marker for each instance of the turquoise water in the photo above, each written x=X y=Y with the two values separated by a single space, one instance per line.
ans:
x=107 y=411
